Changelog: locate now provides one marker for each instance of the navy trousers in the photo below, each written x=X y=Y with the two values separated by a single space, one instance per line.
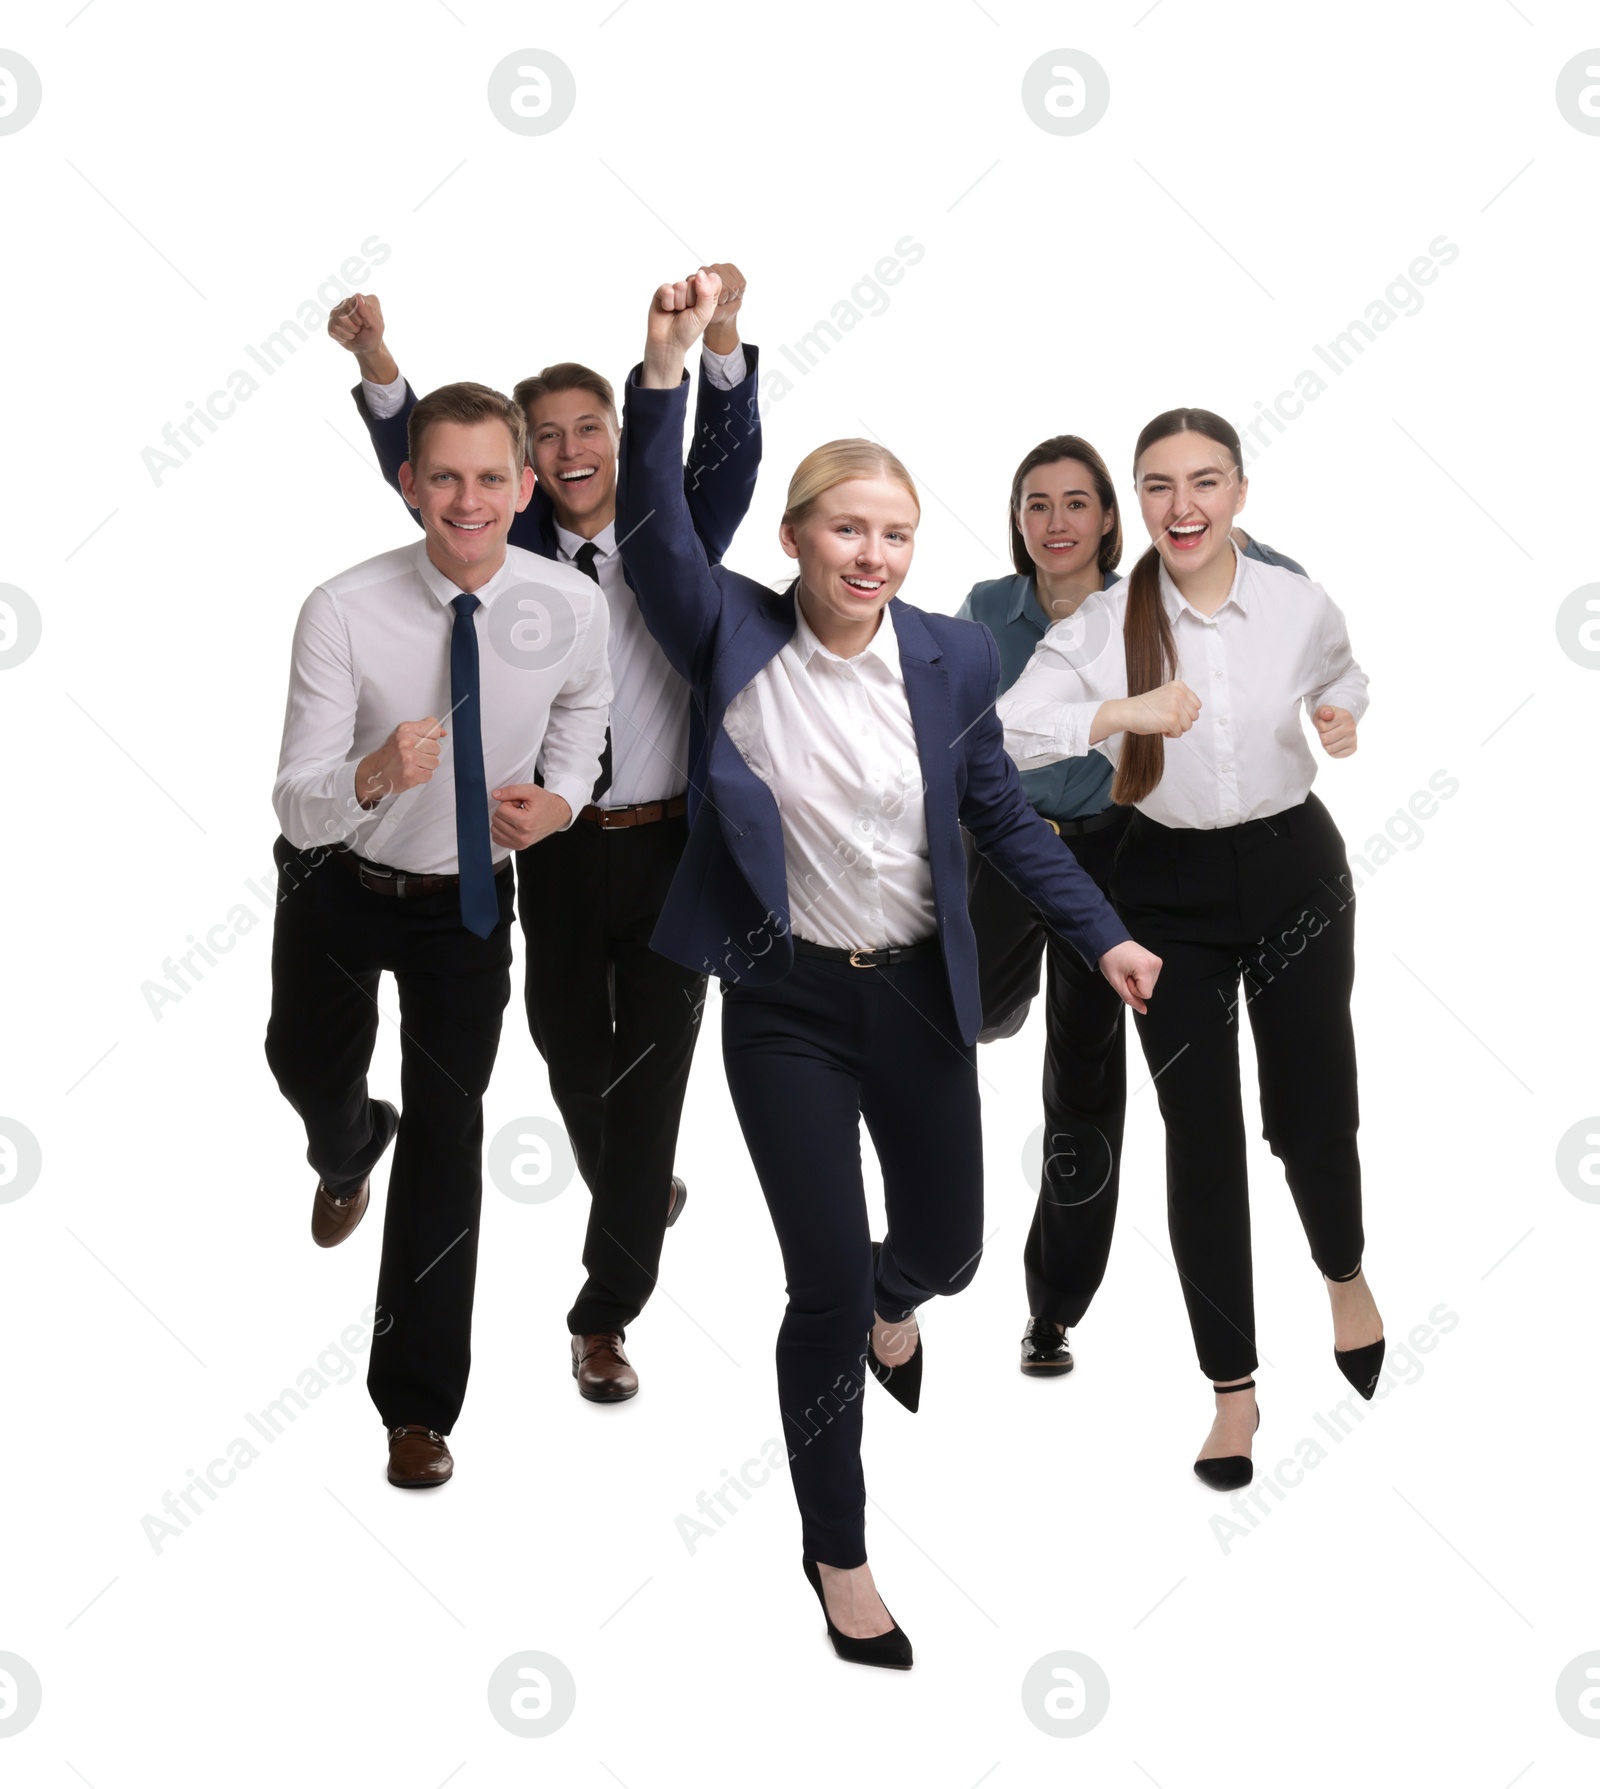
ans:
x=808 y=1059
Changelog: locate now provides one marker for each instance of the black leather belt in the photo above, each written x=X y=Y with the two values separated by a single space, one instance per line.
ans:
x=861 y=958
x=385 y=879
x=1072 y=829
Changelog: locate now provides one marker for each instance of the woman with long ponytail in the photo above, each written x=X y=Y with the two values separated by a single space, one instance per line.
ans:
x=1065 y=528
x=1190 y=678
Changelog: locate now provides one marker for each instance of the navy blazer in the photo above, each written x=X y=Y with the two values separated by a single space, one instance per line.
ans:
x=727 y=912
x=719 y=479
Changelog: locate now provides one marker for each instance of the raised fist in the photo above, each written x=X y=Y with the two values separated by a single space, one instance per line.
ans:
x=681 y=311
x=732 y=293
x=356 y=323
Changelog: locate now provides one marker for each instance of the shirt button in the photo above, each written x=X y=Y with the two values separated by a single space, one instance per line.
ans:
x=866 y=732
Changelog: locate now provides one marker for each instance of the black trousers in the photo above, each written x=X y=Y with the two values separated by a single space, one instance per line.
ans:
x=616 y=1025
x=1257 y=919
x=1085 y=1074
x=807 y=1060
x=331 y=940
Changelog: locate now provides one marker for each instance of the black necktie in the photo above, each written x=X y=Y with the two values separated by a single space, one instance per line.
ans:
x=584 y=559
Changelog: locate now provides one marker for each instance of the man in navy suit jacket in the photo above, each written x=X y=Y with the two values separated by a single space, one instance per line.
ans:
x=615 y=1022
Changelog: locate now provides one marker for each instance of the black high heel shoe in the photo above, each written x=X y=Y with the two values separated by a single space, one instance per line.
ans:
x=904 y=1382
x=1228 y=1472
x=1361 y=1366
x=891 y=1650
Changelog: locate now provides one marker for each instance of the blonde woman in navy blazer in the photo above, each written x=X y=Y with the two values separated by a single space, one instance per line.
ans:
x=824 y=884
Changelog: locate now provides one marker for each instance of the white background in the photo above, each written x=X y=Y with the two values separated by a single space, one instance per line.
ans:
x=1262 y=173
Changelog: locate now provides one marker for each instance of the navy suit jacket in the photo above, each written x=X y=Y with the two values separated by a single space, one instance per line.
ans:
x=719 y=479
x=727 y=912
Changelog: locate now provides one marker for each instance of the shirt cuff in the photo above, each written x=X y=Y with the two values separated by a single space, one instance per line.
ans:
x=356 y=819
x=723 y=370
x=575 y=795
x=384 y=401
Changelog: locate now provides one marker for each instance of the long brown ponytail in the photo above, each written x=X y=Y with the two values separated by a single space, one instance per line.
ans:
x=1151 y=652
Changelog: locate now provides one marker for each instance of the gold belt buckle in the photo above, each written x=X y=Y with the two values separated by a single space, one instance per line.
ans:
x=856 y=952
x=1054 y=825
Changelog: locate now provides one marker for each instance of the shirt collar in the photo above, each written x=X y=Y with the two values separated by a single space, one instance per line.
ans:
x=440 y=587
x=883 y=645
x=1176 y=605
x=605 y=541
x=1026 y=601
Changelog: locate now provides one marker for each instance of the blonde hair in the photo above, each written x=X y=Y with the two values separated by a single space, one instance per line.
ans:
x=834 y=462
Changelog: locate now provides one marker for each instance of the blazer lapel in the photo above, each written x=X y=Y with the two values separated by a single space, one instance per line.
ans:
x=938 y=744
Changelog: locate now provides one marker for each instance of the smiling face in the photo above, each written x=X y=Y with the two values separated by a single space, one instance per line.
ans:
x=1061 y=517
x=572 y=439
x=1190 y=489
x=854 y=548
x=465 y=487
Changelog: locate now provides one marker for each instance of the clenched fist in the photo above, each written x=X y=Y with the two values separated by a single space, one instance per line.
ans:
x=1336 y=728
x=680 y=313
x=1171 y=710
x=526 y=813
x=1132 y=971
x=407 y=758
x=356 y=323
x=722 y=332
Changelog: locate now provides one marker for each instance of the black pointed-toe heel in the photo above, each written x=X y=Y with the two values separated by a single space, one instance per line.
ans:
x=1361 y=1366
x=891 y=1650
x=1228 y=1472
x=904 y=1382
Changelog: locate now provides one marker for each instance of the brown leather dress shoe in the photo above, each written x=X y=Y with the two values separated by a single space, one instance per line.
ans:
x=601 y=1368
x=418 y=1457
x=333 y=1219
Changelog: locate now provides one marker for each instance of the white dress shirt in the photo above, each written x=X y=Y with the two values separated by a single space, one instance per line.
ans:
x=650 y=701
x=1277 y=643
x=372 y=649
x=832 y=738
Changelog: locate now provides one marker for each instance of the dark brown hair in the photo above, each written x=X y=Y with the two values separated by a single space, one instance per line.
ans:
x=1067 y=447
x=566 y=375
x=466 y=402
x=1152 y=654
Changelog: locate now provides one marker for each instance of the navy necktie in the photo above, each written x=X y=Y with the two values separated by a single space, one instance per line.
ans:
x=480 y=904
x=584 y=559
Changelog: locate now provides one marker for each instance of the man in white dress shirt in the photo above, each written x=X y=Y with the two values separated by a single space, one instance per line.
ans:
x=429 y=688
x=615 y=1022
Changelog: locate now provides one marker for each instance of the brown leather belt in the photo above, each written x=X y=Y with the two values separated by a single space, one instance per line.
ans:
x=642 y=813
x=385 y=879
